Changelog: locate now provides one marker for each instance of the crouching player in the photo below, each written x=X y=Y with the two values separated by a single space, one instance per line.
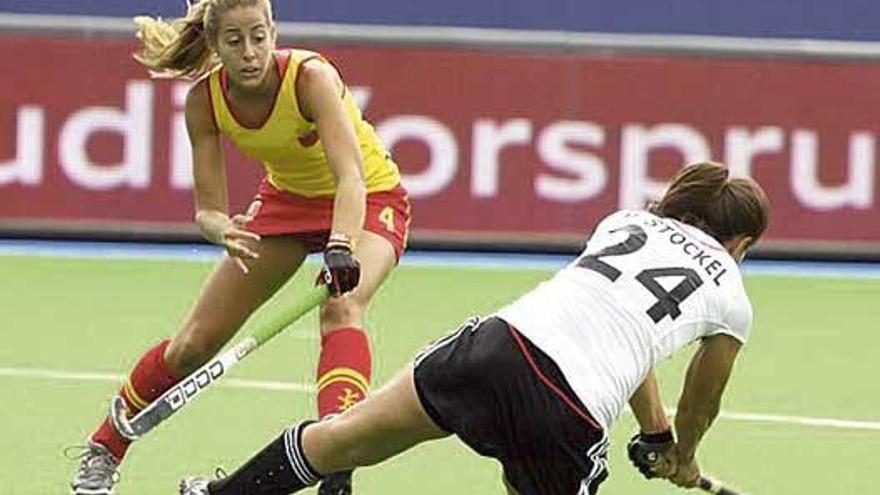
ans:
x=538 y=384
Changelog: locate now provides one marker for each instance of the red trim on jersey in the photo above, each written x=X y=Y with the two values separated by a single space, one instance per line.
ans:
x=568 y=401
x=335 y=67
x=211 y=104
x=224 y=86
x=296 y=83
x=339 y=73
x=308 y=139
x=281 y=60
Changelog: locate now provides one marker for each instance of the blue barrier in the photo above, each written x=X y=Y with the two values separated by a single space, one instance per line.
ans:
x=841 y=19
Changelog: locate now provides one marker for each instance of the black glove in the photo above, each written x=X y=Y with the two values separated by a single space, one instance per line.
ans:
x=341 y=272
x=645 y=449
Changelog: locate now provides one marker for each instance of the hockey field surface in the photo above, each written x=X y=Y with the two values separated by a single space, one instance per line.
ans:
x=801 y=414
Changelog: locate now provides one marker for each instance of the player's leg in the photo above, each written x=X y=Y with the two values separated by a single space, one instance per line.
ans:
x=390 y=421
x=345 y=363
x=443 y=391
x=385 y=424
x=227 y=298
x=344 y=367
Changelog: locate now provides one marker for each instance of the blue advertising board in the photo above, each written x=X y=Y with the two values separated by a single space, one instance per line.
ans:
x=824 y=19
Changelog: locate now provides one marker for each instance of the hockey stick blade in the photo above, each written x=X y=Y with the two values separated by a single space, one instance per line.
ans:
x=133 y=428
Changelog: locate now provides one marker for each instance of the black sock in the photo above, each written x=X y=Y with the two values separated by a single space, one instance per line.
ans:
x=280 y=468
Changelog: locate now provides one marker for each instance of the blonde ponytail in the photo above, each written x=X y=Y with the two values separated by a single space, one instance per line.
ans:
x=180 y=48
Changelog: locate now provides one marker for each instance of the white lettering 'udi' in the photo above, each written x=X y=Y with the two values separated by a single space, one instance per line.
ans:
x=562 y=161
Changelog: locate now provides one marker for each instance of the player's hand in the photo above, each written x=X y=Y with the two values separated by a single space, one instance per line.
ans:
x=686 y=472
x=240 y=243
x=646 y=452
x=342 y=271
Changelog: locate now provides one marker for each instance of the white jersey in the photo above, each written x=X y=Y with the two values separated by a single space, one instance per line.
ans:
x=643 y=288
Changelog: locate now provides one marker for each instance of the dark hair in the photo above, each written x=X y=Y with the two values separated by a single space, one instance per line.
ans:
x=704 y=196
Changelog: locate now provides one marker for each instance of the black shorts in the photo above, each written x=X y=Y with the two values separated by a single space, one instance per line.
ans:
x=506 y=399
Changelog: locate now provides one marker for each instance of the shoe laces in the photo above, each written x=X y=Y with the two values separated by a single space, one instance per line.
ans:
x=96 y=463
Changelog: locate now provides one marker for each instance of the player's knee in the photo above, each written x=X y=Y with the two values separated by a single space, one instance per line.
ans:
x=350 y=450
x=189 y=350
x=360 y=456
x=341 y=312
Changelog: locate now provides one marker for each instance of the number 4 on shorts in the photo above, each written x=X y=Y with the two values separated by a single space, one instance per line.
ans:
x=386 y=216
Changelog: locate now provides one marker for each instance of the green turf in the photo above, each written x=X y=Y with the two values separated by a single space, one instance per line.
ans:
x=811 y=354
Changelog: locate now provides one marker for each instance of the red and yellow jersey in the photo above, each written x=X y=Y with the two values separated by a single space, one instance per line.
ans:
x=287 y=143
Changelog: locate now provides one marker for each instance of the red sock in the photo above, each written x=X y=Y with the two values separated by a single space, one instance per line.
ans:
x=149 y=379
x=344 y=370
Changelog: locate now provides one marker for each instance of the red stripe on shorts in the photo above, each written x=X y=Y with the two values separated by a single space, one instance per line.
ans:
x=565 y=398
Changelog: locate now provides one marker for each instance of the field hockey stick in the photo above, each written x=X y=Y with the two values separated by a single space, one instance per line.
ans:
x=710 y=485
x=187 y=389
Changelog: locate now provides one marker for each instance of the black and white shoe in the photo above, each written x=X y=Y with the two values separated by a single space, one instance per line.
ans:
x=336 y=484
x=195 y=485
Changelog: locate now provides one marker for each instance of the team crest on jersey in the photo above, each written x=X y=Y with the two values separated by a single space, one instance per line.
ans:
x=308 y=139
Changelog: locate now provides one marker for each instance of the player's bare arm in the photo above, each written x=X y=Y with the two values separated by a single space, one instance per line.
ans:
x=647 y=406
x=654 y=437
x=700 y=402
x=320 y=93
x=209 y=173
x=319 y=90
